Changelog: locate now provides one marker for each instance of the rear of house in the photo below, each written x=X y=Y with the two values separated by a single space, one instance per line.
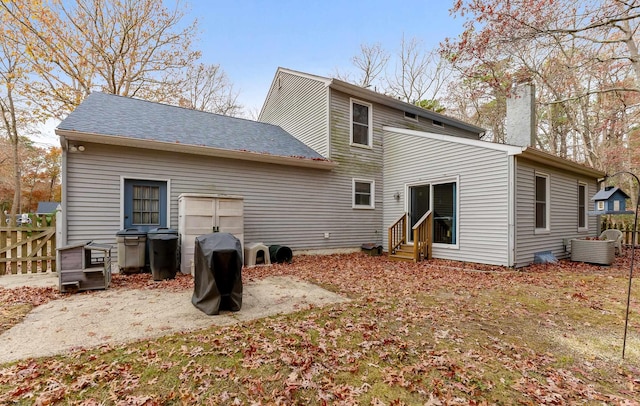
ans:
x=492 y=203
x=552 y=202
x=345 y=123
x=331 y=166
x=118 y=150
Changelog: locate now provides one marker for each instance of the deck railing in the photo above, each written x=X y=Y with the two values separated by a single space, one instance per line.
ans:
x=398 y=234
x=422 y=237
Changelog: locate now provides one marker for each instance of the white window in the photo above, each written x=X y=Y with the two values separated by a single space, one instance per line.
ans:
x=601 y=205
x=616 y=205
x=361 y=124
x=363 y=194
x=582 y=207
x=542 y=202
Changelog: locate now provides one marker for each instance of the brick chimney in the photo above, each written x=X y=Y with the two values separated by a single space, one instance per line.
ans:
x=521 y=115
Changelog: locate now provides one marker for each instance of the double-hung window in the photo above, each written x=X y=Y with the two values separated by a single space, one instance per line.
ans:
x=363 y=194
x=582 y=207
x=542 y=193
x=361 y=124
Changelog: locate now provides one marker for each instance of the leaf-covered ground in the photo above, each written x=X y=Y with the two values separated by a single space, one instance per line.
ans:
x=433 y=333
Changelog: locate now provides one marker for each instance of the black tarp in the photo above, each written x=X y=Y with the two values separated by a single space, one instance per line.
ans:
x=218 y=273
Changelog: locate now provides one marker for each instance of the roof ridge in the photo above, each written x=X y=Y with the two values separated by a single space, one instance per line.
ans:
x=176 y=106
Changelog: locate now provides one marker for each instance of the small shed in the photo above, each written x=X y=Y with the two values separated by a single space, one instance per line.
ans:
x=610 y=200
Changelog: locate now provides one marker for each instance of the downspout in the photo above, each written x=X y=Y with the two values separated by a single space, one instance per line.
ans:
x=511 y=238
x=64 y=144
x=328 y=107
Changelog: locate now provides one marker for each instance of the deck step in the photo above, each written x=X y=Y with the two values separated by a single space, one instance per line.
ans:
x=403 y=253
x=396 y=257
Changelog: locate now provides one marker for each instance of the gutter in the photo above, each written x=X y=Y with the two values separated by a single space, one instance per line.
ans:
x=370 y=95
x=196 y=150
x=542 y=157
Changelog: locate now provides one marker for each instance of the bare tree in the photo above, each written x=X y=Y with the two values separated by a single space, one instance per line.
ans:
x=582 y=56
x=371 y=63
x=370 y=67
x=207 y=88
x=14 y=69
x=124 y=47
x=419 y=74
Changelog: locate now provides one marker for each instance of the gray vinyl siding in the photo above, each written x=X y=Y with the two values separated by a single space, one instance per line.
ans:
x=563 y=211
x=355 y=162
x=483 y=192
x=282 y=205
x=386 y=116
x=299 y=105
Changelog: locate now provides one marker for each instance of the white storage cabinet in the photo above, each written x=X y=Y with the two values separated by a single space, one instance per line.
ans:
x=200 y=214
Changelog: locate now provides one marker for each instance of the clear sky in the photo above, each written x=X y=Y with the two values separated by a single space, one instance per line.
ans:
x=250 y=39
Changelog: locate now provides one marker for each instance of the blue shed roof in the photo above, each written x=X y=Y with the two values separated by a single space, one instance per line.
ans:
x=606 y=193
x=47 y=207
x=112 y=115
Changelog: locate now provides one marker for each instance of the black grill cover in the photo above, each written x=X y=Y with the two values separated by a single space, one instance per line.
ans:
x=218 y=273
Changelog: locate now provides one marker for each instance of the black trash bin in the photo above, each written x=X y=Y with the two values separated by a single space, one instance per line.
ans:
x=163 y=253
x=280 y=253
x=218 y=273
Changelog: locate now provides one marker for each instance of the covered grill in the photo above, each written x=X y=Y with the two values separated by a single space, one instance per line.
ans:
x=218 y=273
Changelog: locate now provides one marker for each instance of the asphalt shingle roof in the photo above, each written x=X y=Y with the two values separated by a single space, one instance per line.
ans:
x=107 y=114
x=604 y=194
x=47 y=207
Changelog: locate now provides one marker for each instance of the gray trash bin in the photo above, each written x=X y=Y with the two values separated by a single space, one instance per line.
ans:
x=163 y=253
x=131 y=247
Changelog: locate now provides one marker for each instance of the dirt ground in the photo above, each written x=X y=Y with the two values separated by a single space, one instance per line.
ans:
x=119 y=316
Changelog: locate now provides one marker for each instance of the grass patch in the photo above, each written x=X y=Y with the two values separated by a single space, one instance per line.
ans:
x=411 y=335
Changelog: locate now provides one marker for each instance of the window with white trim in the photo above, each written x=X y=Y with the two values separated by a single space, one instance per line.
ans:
x=542 y=202
x=361 y=124
x=363 y=194
x=441 y=197
x=582 y=207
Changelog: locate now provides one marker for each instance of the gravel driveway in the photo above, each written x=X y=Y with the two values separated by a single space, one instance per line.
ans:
x=120 y=316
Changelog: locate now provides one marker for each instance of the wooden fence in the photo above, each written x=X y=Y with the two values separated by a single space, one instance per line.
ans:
x=29 y=248
x=627 y=231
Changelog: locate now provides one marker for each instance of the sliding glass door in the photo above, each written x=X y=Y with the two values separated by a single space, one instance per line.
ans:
x=442 y=199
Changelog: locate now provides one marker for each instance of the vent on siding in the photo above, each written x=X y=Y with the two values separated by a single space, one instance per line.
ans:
x=410 y=116
x=438 y=123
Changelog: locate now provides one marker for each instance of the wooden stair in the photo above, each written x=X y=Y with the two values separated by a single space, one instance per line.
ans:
x=403 y=253
x=399 y=250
